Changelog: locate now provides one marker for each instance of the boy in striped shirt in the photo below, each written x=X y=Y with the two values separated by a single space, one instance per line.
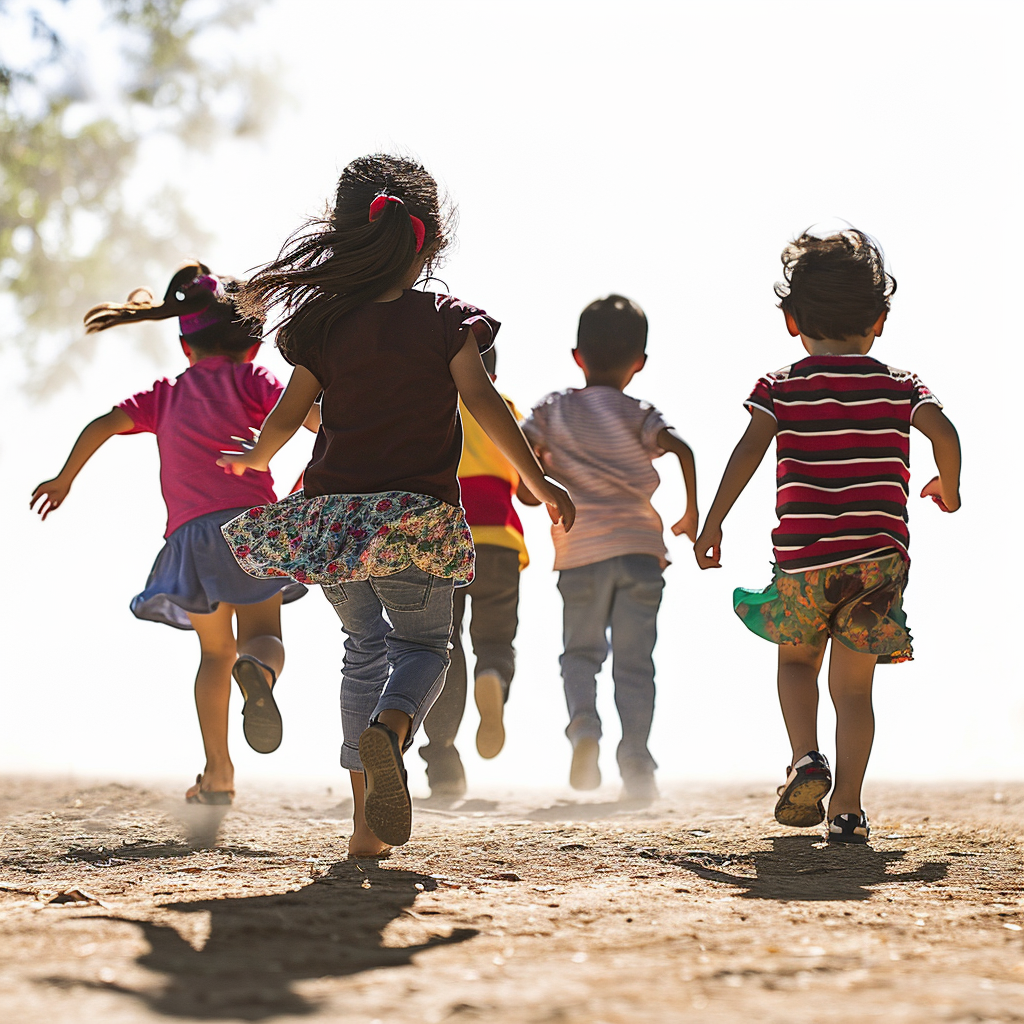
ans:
x=610 y=566
x=841 y=421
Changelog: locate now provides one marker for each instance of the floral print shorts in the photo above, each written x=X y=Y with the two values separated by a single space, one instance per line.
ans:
x=858 y=604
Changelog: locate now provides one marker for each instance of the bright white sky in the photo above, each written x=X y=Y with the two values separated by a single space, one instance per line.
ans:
x=666 y=151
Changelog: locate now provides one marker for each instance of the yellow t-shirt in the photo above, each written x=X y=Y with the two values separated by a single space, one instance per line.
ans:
x=488 y=481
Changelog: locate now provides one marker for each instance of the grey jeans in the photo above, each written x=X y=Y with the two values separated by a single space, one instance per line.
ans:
x=393 y=662
x=619 y=596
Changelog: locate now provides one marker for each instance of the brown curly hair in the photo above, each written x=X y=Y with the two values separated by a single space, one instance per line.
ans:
x=835 y=287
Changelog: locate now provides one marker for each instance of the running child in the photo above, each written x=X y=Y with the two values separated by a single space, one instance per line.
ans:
x=378 y=524
x=488 y=482
x=601 y=444
x=841 y=421
x=195 y=582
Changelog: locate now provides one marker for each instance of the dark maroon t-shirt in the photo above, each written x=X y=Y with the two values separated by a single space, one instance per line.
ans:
x=390 y=409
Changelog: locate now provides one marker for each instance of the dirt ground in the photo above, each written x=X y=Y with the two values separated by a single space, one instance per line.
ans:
x=539 y=908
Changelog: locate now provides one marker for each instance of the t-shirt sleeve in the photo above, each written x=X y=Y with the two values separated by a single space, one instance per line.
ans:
x=920 y=394
x=265 y=388
x=761 y=398
x=143 y=408
x=533 y=426
x=458 y=315
x=653 y=424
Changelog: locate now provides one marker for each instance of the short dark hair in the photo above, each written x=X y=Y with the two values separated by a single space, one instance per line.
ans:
x=836 y=286
x=612 y=333
x=490 y=359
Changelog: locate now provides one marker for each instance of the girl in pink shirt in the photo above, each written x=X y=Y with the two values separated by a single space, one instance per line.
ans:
x=195 y=582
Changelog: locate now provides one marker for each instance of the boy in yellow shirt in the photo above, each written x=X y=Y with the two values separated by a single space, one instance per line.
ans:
x=488 y=483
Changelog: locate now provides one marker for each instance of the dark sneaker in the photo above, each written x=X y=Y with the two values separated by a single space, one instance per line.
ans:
x=848 y=828
x=584 y=772
x=388 y=807
x=807 y=783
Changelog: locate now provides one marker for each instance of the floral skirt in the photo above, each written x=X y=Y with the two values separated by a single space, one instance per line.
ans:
x=858 y=604
x=337 y=538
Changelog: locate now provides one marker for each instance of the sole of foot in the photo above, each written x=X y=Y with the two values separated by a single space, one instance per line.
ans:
x=388 y=809
x=490 y=702
x=584 y=772
x=261 y=719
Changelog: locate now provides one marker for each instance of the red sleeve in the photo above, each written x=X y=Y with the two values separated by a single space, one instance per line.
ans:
x=459 y=315
x=761 y=397
x=143 y=408
x=265 y=388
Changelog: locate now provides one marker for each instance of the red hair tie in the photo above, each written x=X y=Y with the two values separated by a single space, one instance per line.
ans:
x=377 y=208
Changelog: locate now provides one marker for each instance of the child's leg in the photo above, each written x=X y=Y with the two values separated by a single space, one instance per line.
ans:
x=587 y=597
x=445 y=773
x=493 y=629
x=213 y=692
x=634 y=618
x=259 y=633
x=850 y=676
x=799 y=665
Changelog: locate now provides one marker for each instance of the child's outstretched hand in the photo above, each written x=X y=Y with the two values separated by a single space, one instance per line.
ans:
x=687 y=525
x=559 y=504
x=710 y=540
x=933 y=490
x=238 y=462
x=50 y=494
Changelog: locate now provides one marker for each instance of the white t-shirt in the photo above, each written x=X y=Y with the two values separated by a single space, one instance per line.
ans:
x=599 y=444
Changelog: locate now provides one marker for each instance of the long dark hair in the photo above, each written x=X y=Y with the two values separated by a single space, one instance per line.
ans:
x=837 y=286
x=341 y=260
x=205 y=303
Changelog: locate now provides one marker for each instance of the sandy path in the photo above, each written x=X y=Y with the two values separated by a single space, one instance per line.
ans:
x=699 y=908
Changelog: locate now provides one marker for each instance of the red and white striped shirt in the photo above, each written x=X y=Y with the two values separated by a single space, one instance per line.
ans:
x=843 y=447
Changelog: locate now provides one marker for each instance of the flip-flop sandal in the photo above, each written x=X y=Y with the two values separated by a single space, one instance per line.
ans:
x=388 y=808
x=261 y=718
x=217 y=797
x=490 y=702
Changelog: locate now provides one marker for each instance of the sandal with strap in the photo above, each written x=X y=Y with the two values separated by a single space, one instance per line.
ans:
x=388 y=807
x=261 y=718
x=212 y=797
x=800 y=798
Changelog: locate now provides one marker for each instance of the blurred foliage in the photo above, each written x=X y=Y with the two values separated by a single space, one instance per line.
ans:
x=85 y=87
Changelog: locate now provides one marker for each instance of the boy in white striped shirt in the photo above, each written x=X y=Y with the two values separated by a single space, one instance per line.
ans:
x=601 y=444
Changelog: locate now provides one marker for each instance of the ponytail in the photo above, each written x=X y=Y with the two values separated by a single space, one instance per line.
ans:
x=205 y=304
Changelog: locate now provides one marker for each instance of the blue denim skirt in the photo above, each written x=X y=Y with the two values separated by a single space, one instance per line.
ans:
x=195 y=571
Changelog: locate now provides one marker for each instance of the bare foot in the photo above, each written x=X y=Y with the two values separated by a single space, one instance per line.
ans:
x=363 y=844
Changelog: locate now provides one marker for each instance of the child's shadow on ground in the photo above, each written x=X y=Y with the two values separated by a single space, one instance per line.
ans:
x=795 y=869
x=570 y=810
x=259 y=945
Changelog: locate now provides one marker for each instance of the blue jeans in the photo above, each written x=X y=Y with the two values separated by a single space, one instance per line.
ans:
x=397 y=662
x=619 y=595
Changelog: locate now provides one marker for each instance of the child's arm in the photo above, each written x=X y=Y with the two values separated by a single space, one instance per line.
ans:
x=525 y=495
x=943 y=489
x=672 y=442
x=745 y=459
x=488 y=408
x=53 y=492
x=291 y=412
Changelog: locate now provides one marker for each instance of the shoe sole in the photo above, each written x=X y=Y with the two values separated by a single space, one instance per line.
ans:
x=585 y=772
x=261 y=719
x=490 y=702
x=388 y=807
x=845 y=840
x=800 y=803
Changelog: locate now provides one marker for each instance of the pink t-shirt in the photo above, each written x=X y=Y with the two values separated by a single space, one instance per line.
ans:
x=194 y=418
